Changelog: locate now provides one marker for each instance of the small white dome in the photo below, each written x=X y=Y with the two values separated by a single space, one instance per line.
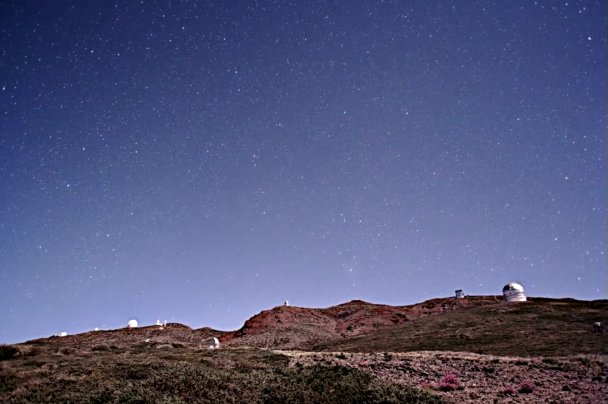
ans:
x=132 y=324
x=63 y=334
x=514 y=292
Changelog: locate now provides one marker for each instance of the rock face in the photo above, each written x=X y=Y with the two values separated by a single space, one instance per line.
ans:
x=289 y=327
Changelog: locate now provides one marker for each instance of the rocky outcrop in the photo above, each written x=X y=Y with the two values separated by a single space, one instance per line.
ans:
x=293 y=324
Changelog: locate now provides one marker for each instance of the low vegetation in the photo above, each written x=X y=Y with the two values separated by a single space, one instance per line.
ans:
x=538 y=328
x=144 y=374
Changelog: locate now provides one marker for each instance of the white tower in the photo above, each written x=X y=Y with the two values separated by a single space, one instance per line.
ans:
x=459 y=294
x=286 y=303
x=514 y=292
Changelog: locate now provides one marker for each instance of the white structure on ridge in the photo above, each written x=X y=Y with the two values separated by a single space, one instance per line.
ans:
x=459 y=294
x=514 y=292
x=216 y=345
x=286 y=303
x=158 y=322
x=132 y=324
x=63 y=334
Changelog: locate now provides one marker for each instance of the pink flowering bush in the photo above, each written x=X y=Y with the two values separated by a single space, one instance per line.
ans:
x=448 y=383
x=450 y=379
x=527 y=387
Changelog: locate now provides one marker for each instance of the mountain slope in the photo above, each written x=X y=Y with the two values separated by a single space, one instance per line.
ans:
x=540 y=327
x=288 y=327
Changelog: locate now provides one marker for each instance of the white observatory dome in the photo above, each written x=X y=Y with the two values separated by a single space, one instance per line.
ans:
x=216 y=344
x=63 y=334
x=514 y=292
x=132 y=324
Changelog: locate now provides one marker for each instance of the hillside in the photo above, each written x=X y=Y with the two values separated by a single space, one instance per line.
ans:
x=288 y=327
x=171 y=333
x=481 y=324
x=474 y=350
x=539 y=327
x=149 y=374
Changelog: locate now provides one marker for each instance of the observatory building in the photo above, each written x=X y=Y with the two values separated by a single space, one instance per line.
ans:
x=459 y=294
x=216 y=345
x=513 y=292
x=132 y=324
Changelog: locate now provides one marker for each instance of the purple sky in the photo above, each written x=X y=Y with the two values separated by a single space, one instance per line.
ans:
x=202 y=161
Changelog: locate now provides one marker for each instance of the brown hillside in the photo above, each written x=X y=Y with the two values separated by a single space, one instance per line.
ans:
x=289 y=327
x=474 y=324
x=539 y=327
x=172 y=332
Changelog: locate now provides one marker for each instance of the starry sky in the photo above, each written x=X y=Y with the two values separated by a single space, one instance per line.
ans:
x=202 y=161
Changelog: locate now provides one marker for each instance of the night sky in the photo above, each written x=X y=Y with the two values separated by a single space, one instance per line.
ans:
x=199 y=162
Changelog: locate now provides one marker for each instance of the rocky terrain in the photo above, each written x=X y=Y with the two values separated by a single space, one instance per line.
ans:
x=479 y=378
x=474 y=350
x=303 y=328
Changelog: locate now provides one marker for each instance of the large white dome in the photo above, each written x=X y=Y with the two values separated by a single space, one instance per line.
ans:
x=514 y=292
x=132 y=324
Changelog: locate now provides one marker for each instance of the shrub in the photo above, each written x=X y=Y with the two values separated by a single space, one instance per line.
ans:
x=101 y=347
x=8 y=379
x=446 y=387
x=35 y=351
x=8 y=352
x=66 y=350
x=507 y=391
x=448 y=383
x=451 y=380
x=527 y=387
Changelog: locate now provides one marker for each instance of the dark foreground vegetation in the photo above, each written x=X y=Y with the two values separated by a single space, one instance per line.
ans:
x=165 y=373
